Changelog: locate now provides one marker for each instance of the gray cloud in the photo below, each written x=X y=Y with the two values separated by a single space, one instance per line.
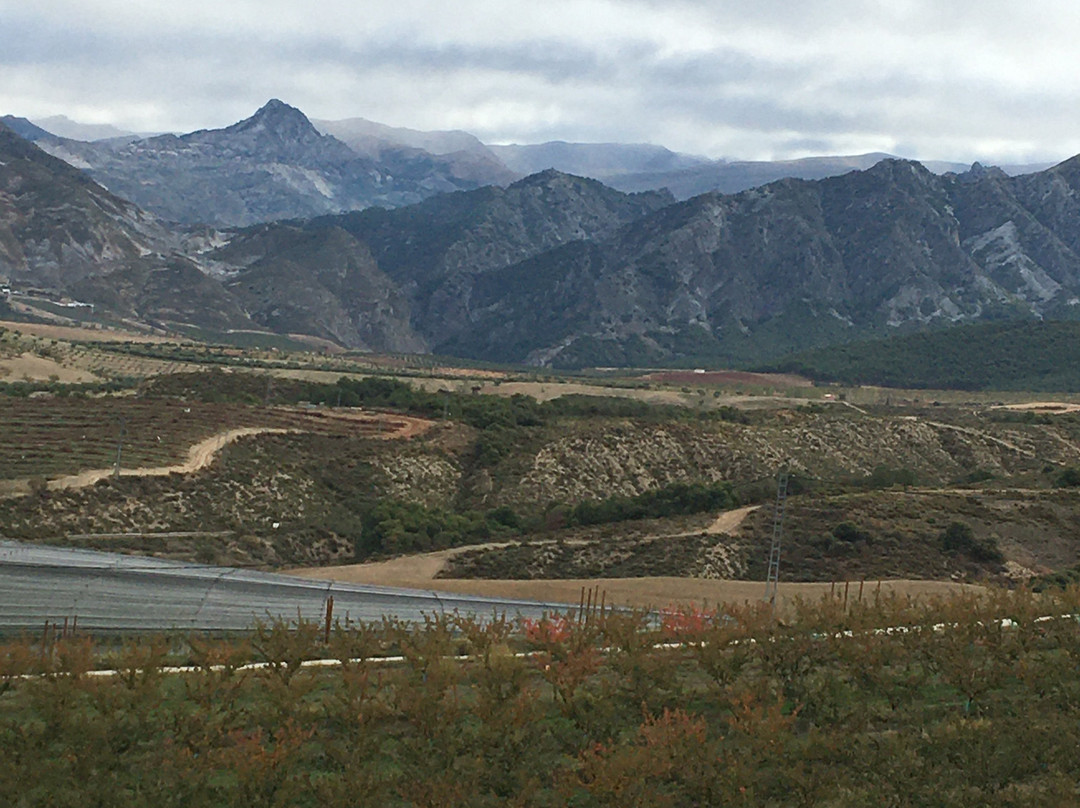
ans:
x=746 y=79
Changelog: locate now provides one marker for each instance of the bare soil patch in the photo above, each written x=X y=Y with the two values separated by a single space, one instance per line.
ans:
x=728 y=522
x=1043 y=407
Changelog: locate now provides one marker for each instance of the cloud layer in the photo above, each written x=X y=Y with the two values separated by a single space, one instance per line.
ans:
x=995 y=81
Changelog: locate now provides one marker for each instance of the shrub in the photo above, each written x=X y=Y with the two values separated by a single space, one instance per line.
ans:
x=959 y=538
x=673 y=500
x=849 y=532
x=1070 y=478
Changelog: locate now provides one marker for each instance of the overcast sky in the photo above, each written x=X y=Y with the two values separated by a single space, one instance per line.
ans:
x=959 y=80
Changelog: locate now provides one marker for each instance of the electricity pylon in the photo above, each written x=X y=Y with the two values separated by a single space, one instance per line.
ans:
x=773 y=577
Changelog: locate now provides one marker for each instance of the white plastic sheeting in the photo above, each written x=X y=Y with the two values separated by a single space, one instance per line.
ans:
x=113 y=592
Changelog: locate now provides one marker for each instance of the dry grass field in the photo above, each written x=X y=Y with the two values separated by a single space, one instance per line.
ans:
x=416 y=572
x=31 y=367
x=79 y=333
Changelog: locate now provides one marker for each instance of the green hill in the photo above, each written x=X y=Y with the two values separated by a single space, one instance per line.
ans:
x=1037 y=356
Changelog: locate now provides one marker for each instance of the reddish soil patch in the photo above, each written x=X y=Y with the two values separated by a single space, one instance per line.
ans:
x=722 y=377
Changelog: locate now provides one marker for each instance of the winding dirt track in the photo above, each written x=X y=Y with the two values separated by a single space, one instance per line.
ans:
x=425 y=567
x=728 y=522
x=202 y=454
x=199 y=457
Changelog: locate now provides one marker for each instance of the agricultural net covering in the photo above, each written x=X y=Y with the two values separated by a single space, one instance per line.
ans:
x=113 y=592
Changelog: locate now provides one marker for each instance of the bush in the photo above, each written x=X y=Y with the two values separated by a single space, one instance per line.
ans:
x=886 y=477
x=959 y=538
x=394 y=527
x=1070 y=478
x=673 y=500
x=849 y=532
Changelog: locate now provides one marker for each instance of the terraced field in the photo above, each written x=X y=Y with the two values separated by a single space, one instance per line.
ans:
x=46 y=438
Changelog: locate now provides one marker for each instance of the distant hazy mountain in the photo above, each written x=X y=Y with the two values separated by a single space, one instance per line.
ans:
x=462 y=154
x=639 y=167
x=601 y=161
x=736 y=176
x=63 y=126
x=358 y=132
x=732 y=177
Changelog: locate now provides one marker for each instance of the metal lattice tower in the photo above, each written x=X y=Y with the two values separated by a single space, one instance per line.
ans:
x=773 y=578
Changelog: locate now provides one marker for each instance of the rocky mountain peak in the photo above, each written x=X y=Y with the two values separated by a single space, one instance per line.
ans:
x=277 y=121
x=895 y=168
x=549 y=177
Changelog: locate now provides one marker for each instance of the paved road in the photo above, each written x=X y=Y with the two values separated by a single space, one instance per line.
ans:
x=112 y=592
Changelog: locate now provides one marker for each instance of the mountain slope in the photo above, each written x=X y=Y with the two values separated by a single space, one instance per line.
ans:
x=736 y=279
x=431 y=252
x=61 y=231
x=562 y=270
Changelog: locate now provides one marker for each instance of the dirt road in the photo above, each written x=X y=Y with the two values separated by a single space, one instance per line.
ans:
x=424 y=568
x=728 y=522
x=199 y=457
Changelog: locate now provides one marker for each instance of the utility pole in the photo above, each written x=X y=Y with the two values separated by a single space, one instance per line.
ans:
x=773 y=577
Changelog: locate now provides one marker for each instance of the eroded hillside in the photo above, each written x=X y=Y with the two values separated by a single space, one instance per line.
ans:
x=319 y=496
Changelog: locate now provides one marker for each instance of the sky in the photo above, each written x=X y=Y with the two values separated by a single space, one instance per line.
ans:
x=957 y=80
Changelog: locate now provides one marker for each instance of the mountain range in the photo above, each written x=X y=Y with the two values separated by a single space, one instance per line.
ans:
x=552 y=269
x=278 y=164
x=273 y=165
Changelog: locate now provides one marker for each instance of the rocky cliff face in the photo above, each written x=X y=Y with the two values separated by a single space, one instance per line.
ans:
x=556 y=269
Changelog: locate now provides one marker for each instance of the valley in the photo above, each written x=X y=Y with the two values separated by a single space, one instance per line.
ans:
x=325 y=356
x=489 y=482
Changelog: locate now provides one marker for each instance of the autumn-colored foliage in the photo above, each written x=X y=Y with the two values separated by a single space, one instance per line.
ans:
x=970 y=701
